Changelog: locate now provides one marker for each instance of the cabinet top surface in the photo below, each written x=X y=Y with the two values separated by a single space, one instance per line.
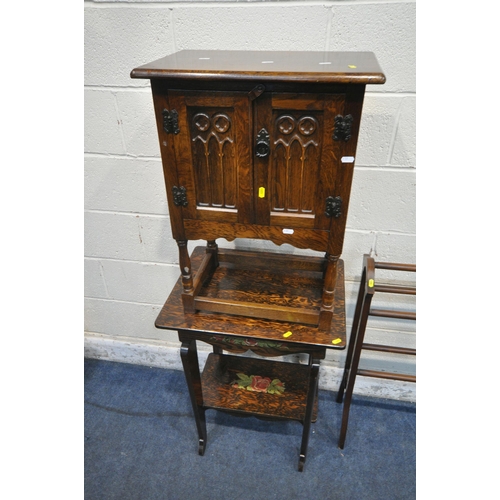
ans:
x=334 y=67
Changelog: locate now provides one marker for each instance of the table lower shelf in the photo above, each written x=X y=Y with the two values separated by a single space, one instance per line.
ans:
x=223 y=389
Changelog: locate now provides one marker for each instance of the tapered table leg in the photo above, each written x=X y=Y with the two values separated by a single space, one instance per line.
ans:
x=189 y=357
x=311 y=396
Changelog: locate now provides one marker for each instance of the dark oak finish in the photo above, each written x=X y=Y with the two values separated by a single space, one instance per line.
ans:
x=219 y=391
x=238 y=334
x=309 y=67
x=259 y=145
x=217 y=387
x=367 y=289
x=189 y=359
x=172 y=316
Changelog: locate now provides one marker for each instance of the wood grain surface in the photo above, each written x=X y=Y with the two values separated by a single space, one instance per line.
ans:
x=220 y=373
x=172 y=317
x=331 y=67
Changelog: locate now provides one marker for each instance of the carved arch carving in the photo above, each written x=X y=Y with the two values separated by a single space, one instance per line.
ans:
x=295 y=162
x=213 y=158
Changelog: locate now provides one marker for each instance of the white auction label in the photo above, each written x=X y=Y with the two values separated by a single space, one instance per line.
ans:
x=347 y=159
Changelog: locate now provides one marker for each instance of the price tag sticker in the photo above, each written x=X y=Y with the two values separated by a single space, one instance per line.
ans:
x=262 y=192
x=287 y=334
x=371 y=283
x=336 y=341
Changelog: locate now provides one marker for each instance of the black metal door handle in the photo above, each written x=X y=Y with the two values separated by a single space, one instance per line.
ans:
x=262 y=147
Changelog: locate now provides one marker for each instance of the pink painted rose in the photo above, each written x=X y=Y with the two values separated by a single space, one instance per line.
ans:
x=260 y=384
x=251 y=342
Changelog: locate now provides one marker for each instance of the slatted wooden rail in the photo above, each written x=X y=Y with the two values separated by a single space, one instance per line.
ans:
x=368 y=287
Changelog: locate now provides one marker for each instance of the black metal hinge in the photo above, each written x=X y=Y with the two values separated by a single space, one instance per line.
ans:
x=170 y=121
x=333 y=206
x=342 y=130
x=180 y=198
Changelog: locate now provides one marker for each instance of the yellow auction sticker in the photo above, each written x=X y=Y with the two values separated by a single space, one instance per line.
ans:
x=371 y=283
x=336 y=341
x=287 y=334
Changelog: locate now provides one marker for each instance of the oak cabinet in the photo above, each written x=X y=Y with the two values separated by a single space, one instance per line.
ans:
x=260 y=145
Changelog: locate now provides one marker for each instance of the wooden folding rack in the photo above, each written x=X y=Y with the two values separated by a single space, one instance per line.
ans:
x=367 y=289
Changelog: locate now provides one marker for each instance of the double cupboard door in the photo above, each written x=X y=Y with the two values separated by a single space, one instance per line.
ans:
x=266 y=165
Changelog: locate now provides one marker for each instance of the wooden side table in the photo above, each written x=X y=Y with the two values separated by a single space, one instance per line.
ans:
x=255 y=386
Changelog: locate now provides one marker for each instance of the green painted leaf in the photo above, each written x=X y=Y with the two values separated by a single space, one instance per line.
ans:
x=243 y=376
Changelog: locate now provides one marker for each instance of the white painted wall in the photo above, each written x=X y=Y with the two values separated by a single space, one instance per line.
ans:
x=131 y=260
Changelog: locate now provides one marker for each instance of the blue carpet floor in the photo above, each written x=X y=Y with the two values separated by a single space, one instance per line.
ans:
x=141 y=444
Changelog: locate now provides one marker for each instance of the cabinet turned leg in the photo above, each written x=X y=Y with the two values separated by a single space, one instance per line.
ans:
x=187 y=277
x=189 y=357
x=213 y=248
x=330 y=280
x=311 y=396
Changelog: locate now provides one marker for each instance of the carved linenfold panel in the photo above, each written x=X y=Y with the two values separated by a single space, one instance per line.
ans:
x=212 y=145
x=295 y=161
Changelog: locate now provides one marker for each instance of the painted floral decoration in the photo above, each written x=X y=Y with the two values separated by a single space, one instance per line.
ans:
x=256 y=383
x=248 y=342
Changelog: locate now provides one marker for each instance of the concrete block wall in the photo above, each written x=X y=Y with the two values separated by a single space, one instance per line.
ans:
x=131 y=260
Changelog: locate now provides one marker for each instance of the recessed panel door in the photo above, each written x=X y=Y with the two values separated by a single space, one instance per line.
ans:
x=295 y=179
x=213 y=155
